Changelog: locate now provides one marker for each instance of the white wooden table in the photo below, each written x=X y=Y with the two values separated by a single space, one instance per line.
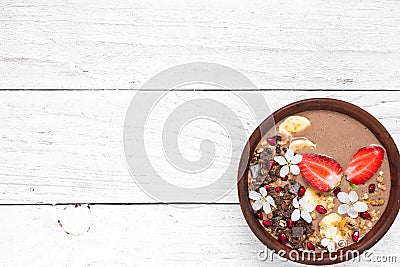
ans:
x=69 y=69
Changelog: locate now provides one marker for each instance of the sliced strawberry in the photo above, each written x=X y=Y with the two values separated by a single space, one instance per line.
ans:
x=322 y=172
x=364 y=164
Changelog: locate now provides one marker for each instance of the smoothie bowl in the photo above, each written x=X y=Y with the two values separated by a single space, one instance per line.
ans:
x=319 y=181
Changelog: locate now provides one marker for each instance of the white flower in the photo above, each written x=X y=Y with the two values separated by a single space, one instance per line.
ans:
x=289 y=162
x=303 y=207
x=262 y=200
x=331 y=238
x=351 y=206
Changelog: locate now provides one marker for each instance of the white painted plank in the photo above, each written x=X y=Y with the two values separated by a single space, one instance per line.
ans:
x=66 y=147
x=213 y=235
x=277 y=44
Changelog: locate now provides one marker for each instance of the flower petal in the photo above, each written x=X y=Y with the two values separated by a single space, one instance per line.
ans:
x=257 y=205
x=284 y=171
x=303 y=201
x=330 y=232
x=360 y=206
x=267 y=208
x=352 y=213
x=308 y=206
x=295 y=203
x=306 y=216
x=353 y=196
x=296 y=159
x=294 y=169
x=254 y=195
x=281 y=160
x=270 y=200
x=263 y=191
x=289 y=155
x=331 y=246
x=325 y=242
x=343 y=209
x=295 y=215
x=343 y=197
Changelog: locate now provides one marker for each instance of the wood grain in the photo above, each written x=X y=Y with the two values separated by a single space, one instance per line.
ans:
x=277 y=44
x=66 y=147
x=214 y=235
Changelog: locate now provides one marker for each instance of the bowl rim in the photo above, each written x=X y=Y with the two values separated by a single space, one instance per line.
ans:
x=392 y=153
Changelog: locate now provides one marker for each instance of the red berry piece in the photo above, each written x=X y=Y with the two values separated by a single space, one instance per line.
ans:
x=259 y=215
x=271 y=141
x=270 y=164
x=278 y=189
x=310 y=246
x=371 y=188
x=355 y=236
x=282 y=238
x=337 y=191
x=285 y=178
x=364 y=164
x=267 y=187
x=321 y=209
x=290 y=223
x=302 y=191
x=322 y=172
x=366 y=215
x=267 y=223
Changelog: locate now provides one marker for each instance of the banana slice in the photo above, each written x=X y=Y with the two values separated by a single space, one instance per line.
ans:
x=299 y=144
x=313 y=196
x=329 y=221
x=294 y=124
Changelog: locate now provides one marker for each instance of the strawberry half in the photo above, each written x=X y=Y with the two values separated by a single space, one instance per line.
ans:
x=322 y=172
x=364 y=164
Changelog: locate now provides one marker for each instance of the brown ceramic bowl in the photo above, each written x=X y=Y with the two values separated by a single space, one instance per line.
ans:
x=387 y=218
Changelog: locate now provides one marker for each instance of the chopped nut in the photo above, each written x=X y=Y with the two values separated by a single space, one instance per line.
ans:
x=382 y=187
x=380 y=173
x=313 y=215
x=351 y=223
x=362 y=224
x=370 y=224
x=377 y=202
x=279 y=181
x=282 y=223
x=380 y=179
x=365 y=196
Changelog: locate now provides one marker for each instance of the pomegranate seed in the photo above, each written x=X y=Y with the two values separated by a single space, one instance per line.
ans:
x=267 y=223
x=271 y=141
x=290 y=223
x=285 y=178
x=321 y=209
x=355 y=236
x=259 y=215
x=278 y=189
x=267 y=187
x=310 y=246
x=371 y=188
x=337 y=191
x=365 y=215
x=283 y=238
x=302 y=191
x=270 y=164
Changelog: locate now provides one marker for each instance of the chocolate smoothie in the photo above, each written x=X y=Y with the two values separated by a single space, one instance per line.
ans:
x=319 y=180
